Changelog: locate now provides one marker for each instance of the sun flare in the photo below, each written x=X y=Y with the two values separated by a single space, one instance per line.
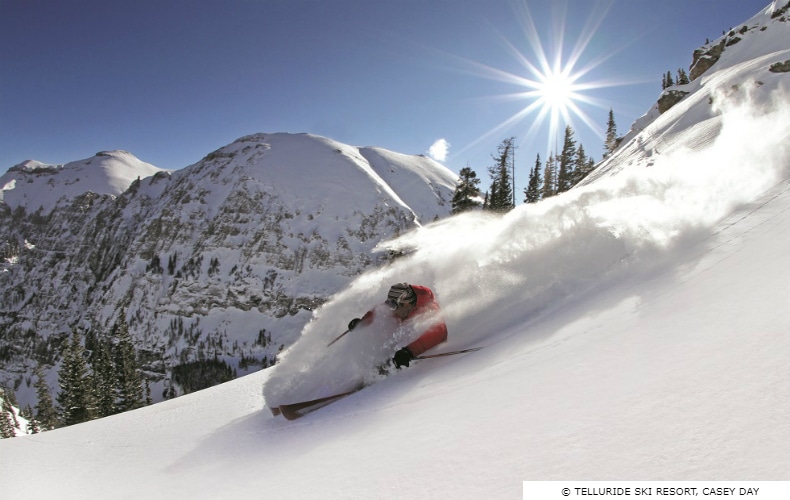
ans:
x=552 y=84
x=556 y=90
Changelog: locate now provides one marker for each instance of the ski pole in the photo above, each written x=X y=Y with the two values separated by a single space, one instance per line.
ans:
x=451 y=353
x=338 y=337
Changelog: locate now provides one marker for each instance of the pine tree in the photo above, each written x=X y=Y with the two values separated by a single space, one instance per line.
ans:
x=501 y=194
x=33 y=426
x=532 y=191
x=611 y=135
x=76 y=403
x=8 y=422
x=105 y=381
x=550 y=177
x=683 y=78
x=130 y=383
x=7 y=429
x=46 y=416
x=466 y=191
x=567 y=162
x=668 y=82
x=580 y=166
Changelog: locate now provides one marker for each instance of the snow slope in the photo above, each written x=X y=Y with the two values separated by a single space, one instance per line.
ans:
x=634 y=329
x=33 y=184
x=750 y=49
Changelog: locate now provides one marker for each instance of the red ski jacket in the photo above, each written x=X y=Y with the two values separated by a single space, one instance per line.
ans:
x=435 y=334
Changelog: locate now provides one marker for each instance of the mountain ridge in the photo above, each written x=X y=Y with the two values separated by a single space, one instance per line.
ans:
x=38 y=186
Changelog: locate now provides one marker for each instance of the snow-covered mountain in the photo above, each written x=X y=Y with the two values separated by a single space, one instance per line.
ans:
x=35 y=186
x=224 y=259
x=634 y=328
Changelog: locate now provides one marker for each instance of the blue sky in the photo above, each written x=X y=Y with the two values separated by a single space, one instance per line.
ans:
x=172 y=80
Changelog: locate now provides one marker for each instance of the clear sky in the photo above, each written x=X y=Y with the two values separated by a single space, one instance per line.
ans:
x=172 y=80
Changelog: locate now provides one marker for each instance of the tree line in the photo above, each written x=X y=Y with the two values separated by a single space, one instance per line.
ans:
x=97 y=378
x=560 y=172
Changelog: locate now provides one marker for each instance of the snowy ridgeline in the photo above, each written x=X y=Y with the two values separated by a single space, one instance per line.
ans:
x=34 y=185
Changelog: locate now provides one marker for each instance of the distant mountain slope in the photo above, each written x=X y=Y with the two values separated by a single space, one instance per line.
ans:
x=33 y=185
x=225 y=259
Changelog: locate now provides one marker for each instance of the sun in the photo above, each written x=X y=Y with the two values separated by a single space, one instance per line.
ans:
x=555 y=90
x=553 y=85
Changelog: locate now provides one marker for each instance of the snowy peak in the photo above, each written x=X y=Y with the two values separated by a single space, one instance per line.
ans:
x=33 y=185
x=321 y=176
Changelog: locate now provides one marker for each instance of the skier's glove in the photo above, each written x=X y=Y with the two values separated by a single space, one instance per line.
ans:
x=353 y=323
x=402 y=358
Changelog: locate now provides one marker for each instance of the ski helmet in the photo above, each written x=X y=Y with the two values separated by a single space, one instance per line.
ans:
x=400 y=293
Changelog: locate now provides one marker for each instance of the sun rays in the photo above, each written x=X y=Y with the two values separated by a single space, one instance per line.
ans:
x=551 y=89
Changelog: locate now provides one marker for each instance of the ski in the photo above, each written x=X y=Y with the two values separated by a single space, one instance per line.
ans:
x=296 y=410
x=451 y=353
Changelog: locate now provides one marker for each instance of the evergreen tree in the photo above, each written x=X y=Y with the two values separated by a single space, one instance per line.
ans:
x=76 y=403
x=104 y=380
x=532 y=191
x=466 y=191
x=567 y=162
x=501 y=194
x=580 y=166
x=7 y=429
x=130 y=383
x=668 y=82
x=550 y=177
x=33 y=427
x=611 y=135
x=8 y=422
x=46 y=416
x=683 y=78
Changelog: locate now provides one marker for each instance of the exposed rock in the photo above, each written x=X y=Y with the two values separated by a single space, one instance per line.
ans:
x=704 y=58
x=669 y=98
x=780 y=67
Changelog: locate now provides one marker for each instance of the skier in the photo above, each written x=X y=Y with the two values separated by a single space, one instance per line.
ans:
x=409 y=303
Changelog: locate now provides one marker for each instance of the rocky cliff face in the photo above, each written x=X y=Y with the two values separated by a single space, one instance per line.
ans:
x=223 y=260
x=705 y=57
